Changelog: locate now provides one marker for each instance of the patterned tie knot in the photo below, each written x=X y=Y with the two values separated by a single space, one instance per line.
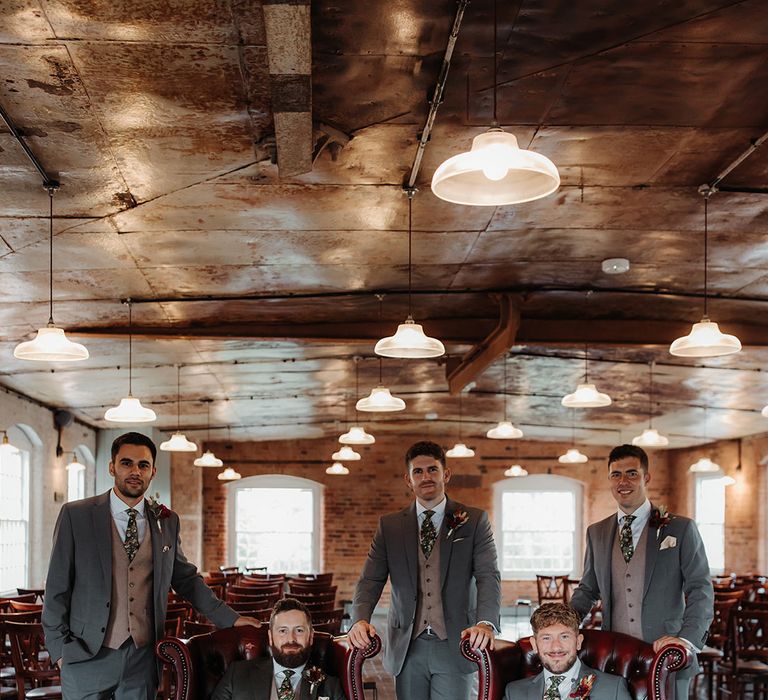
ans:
x=428 y=534
x=288 y=673
x=553 y=692
x=286 y=689
x=131 y=543
x=628 y=519
x=626 y=541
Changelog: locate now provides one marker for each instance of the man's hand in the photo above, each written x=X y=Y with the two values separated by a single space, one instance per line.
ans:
x=663 y=641
x=360 y=634
x=242 y=621
x=480 y=636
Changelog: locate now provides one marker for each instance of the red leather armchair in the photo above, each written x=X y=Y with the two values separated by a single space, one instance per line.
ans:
x=198 y=663
x=649 y=676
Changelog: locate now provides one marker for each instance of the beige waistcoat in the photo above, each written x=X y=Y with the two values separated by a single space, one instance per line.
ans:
x=429 y=609
x=627 y=585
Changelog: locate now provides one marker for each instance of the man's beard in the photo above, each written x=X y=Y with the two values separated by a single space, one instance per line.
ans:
x=294 y=657
x=563 y=665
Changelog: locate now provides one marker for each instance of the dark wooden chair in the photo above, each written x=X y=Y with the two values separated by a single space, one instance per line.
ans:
x=39 y=593
x=749 y=658
x=36 y=679
x=197 y=664
x=649 y=676
x=326 y=578
x=21 y=606
x=551 y=588
x=5 y=601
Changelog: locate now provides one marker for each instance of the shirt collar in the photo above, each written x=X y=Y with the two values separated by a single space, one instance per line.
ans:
x=118 y=505
x=570 y=675
x=438 y=510
x=641 y=513
x=277 y=669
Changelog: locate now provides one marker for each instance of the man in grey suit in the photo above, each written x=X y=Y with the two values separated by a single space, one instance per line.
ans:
x=556 y=640
x=284 y=675
x=649 y=568
x=440 y=559
x=114 y=559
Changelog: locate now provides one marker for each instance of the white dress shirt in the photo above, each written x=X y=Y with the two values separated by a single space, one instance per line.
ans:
x=437 y=516
x=568 y=683
x=279 y=674
x=120 y=515
x=642 y=515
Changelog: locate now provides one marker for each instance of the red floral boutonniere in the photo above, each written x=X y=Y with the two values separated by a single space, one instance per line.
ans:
x=584 y=688
x=315 y=676
x=159 y=510
x=660 y=518
x=455 y=520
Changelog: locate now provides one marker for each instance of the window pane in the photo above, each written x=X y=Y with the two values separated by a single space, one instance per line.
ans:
x=14 y=501
x=710 y=517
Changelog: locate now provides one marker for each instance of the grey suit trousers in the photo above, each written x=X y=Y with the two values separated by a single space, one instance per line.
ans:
x=429 y=672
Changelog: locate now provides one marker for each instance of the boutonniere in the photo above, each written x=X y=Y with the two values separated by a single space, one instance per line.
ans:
x=455 y=520
x=660 y=518
x=584 y=688
x=159 y=510
x=315 y=676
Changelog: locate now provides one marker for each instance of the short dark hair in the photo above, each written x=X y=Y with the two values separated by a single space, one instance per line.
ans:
x=624 y=451
x=133 y=439
x=287 y=604
x=425 y=447
x=550 y=614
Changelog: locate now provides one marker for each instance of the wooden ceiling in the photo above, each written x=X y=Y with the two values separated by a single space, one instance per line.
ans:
x=157 y=117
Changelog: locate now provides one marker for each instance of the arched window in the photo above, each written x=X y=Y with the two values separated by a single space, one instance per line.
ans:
x=710 y=518
x=77 y=468
x=538 y=526
x=14 y=512
x=274 y=522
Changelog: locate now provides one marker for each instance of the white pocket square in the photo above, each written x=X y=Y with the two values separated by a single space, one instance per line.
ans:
x=668 y=542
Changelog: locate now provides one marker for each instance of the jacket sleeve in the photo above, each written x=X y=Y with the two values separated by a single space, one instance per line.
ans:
x=372 y=579
x=223 y=690
x=622 y=692
x=187 y=582
x=697 y=587
x=588 y=592
x=58 y=586
x=486 y=572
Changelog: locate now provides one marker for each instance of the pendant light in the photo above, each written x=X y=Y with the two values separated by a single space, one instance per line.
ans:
x=178 y=441
x=208 y=459
x=460 y=450
x=705 y=338
x=337 y=469
x=130 y=410
x=573 y=455
x=504 y=430
x=51 y=344
x=356 y=434
x=229 y=474
x=516 y=470
x=586 y=394
x=346 y=454
x=703 y=465
x=380 y=400
x=410 y=341
x=496 y=171
x=650 y=437
x=74 y=465
x=5 y=447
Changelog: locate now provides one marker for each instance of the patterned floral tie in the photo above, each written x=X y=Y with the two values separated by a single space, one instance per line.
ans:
x=553 y=692
x=428 y=534
x=625 y=538
x=286 y=689
x=131 y=543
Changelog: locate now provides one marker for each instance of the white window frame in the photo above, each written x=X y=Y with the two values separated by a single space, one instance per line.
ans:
x=547 y=483
x=699 y=478
x=25 y=488
x=283 y=481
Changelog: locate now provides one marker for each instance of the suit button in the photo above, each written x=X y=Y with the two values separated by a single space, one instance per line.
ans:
x=428 y=580
x=107 y=604
x=130 y=585
x=130 y=568
x=131 y=600
x=631 y=619
x=628 y=576
x=429 y=607
x=103 y=629
x=629 y=590
x=429 y=595
x=630 y=605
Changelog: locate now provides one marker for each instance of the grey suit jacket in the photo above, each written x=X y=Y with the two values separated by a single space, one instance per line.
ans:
x=678 y=598
x=606 y=687
x=78 y=588
x=252 y=680
x=469 y=576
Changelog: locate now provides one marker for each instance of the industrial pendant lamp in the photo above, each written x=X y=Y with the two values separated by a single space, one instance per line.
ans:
x=5 y=447
x=586 y=394
x=516 y=470
x=496 y=171
x=460 y=450
x=505 y=430
x=380 y=400
x=346 y=454
x=650 y=437
x=356 y=434
x=178 y=441
x=409 y=341
x=229 y=474
x=74 y=465
x=705 y=338
x=337 y=469
x=208 y=459
x=51 y=344
x=130 y=410
x=704 y=465
x=573 y=455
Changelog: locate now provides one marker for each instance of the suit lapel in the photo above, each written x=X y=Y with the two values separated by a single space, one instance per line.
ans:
x=410 y=530
x=536 y=687
x=157 y=553
x=651 y=551
x=608 y=535
x=262 y=677
x=446 y=543
x=102 y=524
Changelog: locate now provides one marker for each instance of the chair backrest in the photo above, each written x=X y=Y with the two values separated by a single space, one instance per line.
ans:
x=312 y=596
x=253 y=588
x=199 y=663
x=5 y=601
x=21 y=606
x=300 y=586
x=256 y=575
x=648 y=675
x=190 y=629
x=27 y=651
x=750 y=634
x=39 y=593
x=256 y=601
x=551 y=588
x=316 y=578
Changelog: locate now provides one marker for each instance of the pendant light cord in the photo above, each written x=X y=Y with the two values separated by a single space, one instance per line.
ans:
x=357 y=386
x=650 y=393
x=130 y=349
x=706 y=249
x=51 y=192
x=178 y=398
x=410 y=192
x=586 y=363
x=460 y=416
x=495 y=59
x=505 y=387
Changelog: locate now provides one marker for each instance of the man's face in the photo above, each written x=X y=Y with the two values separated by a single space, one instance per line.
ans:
x=628 y=483
x=133 y=469
x=427 y=478
x=290 y=638
x=556 y=646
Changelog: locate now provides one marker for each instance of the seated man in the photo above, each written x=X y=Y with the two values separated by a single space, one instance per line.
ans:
x=556 y=640
x=285 y=674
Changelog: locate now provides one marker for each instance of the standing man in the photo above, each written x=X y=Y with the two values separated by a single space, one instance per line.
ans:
x=648 y=567
x=114 y=559
x=556 y=640
x=440 y=559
